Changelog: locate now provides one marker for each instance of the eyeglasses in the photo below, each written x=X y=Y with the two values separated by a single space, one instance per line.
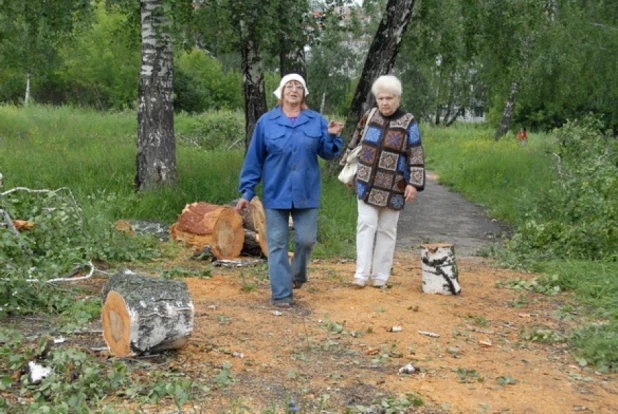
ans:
x=292 y=86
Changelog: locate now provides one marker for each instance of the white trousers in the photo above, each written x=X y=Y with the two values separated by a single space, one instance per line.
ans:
x=376 y=234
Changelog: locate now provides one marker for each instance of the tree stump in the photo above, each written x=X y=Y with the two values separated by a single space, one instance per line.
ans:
x=254 y=220
x=202 y=224
x=439 y=269
x=145 y=314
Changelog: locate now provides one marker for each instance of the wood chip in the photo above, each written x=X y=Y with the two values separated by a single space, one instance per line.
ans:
x=485 y=344
x=431 y=334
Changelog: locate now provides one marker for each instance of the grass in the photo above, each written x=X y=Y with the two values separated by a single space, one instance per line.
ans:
x=94 y=155
x=500 y=175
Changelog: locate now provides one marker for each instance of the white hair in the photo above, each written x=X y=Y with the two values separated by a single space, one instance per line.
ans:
x=386 y=83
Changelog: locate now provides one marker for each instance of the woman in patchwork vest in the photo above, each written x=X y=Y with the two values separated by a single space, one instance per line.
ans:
x=390 y=172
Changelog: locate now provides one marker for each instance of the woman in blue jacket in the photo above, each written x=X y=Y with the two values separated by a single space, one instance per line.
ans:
x=283 y=154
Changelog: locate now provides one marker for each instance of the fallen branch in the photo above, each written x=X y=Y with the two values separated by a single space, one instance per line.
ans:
x=431 y=334
x=70 y=278
x=29 y=190
x=238 y=263
x=11 y=226
x=66 y=278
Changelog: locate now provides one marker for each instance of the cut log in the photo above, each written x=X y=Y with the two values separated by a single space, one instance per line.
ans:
x=145 y=314
x=252 y=246
x=202 y=224
x=254 y=220
x=439 y=269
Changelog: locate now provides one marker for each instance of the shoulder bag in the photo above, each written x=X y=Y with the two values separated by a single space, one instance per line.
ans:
x=348 y=173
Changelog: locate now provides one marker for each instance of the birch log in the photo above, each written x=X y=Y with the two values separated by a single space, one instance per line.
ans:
x=439 y=269
x=145 y=314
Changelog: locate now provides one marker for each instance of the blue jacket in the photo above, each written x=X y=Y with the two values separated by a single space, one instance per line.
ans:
x=285 y=157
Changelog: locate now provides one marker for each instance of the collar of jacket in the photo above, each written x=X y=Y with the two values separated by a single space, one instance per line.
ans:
x=282 y=119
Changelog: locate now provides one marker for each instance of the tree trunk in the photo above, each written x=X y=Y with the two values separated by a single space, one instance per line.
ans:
x=380 y=60
x=439 y=269
x=253 y=72
x=202 y=224
x=27 y=96
x=449 y=109
x=145 y=314
x=437 y=117
x=509 y=109
x=461 y=111
x=156 y=146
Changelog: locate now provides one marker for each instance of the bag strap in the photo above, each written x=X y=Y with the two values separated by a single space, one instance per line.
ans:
x=362 y=137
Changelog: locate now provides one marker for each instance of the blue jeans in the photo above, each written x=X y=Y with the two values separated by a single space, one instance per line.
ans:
x=277 y=233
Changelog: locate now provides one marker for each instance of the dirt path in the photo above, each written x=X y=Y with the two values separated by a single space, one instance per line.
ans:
x=439 y=215
x=336 y=350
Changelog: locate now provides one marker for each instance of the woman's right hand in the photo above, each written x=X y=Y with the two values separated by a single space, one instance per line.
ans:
x=242 y=204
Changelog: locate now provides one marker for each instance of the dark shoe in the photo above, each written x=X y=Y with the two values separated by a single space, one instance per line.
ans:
x=297 y=284
x=282 y=305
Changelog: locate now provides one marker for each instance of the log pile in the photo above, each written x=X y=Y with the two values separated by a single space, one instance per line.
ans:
x=254 y=224
x=218 y=231
x=220 y=227
x=145 y=314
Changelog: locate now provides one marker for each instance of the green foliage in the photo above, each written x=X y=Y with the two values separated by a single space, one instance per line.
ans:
x=501 y=176
x=100 y=65
x=576 y=215
x=200 y=84
x=546 y=284
x=391 y=405
x=221 y=130
x=597 y=344
x=540 y=334
x=57 y=242
x=563 y=213
x=79 y=382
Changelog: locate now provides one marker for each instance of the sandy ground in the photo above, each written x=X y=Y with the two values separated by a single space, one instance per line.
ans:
x=336 y=348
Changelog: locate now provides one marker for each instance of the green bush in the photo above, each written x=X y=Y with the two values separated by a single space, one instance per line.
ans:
x=576 y=216
x=221 y=130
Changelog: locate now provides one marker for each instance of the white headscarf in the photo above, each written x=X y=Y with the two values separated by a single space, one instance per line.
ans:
x=286 y=79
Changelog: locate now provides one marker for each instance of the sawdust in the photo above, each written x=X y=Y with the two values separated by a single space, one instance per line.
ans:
x=336 y=348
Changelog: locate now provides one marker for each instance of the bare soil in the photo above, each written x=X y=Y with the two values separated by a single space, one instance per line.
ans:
x=336 y=349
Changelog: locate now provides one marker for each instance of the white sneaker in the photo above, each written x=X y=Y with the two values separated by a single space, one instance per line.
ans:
x=378 y=283
x=359 y=282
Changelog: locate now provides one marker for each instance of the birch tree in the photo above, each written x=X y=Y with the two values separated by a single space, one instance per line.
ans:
x=156 y=145
x=247 y=14
x=380 y=58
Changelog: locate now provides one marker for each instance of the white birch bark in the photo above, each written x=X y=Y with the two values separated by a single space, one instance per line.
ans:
x=156 y=146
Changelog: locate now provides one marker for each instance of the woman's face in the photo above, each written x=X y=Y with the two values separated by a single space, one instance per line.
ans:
x=387 y=103
x=293 y=93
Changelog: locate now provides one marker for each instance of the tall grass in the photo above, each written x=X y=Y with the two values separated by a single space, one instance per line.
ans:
x=499 y=175
x=94 y=155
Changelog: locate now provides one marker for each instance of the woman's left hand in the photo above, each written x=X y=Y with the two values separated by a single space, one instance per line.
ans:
x=409 y=193
x=335 y=128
